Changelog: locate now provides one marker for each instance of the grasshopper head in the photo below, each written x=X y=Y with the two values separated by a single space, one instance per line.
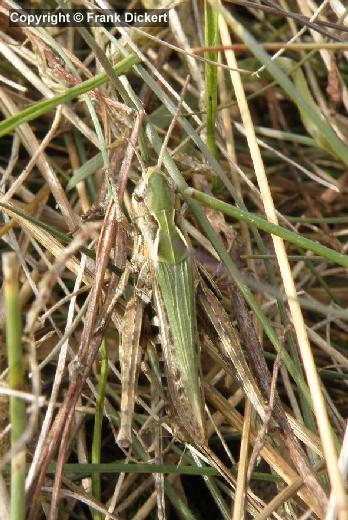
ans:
x=138 y=200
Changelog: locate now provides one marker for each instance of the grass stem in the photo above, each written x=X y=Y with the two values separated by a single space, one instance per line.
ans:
x=16 y=382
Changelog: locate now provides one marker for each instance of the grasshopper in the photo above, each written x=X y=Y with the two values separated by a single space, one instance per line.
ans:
x=169 y=276
x=168 y=269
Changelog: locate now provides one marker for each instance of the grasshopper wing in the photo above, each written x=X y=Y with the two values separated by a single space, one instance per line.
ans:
x=174 y=299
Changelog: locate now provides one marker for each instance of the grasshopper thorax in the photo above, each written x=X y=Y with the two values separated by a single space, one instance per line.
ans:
x=159 y=194
x=154 y=208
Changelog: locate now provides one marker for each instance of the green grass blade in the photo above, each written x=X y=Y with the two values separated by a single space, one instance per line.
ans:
x=214 y=490
x=317 y=220
x=88 y=168
x=40 y=108
x=211 y=34
x=82 y=153
x=86 y=469
x=179 y=505
x=306 y=109
x=143 y=468
x=16 y=382
x=265 y=225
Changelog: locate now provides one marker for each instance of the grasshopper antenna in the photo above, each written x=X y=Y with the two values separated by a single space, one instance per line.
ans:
x=140 y=160
x=173 y=123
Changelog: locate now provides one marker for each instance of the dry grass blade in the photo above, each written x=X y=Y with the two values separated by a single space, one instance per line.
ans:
x=239 y=500
x=295 y=309
x=286 y=494
x=268 y=453
x=263 y=378
x=230 y=347
x=83 y=361
x=48 y=241
x=31 y=144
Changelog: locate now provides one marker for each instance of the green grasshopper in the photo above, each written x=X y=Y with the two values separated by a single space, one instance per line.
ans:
x=167 y=264
x=169 y=275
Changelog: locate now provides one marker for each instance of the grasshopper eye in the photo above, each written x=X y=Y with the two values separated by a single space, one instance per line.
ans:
x=138 y=196
x=139 y=192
